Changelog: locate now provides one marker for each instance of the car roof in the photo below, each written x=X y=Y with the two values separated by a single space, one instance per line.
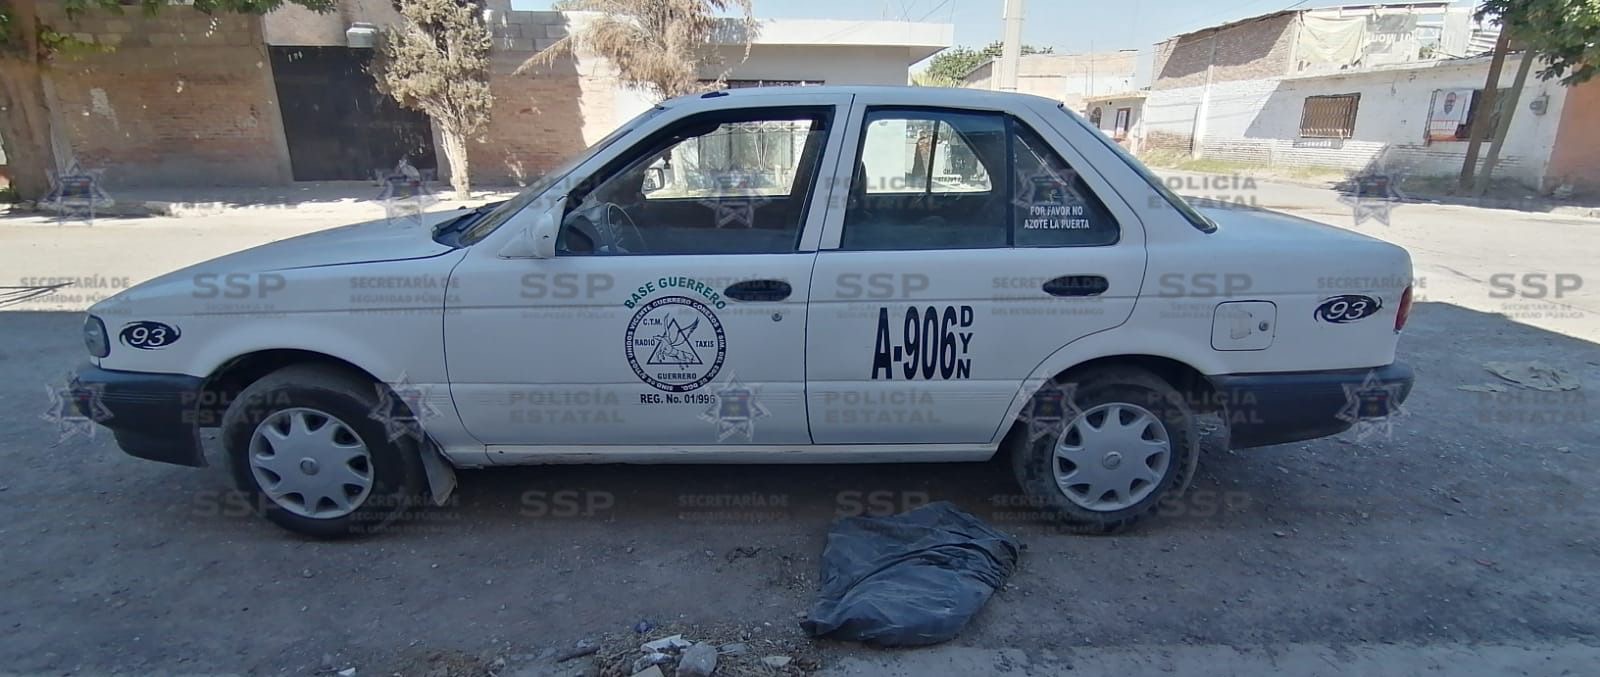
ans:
x=939 y=96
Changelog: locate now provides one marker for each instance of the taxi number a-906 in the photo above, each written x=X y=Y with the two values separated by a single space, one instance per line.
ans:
x=933 y=343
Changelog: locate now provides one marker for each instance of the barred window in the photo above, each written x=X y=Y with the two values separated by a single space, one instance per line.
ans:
x=1329 y=117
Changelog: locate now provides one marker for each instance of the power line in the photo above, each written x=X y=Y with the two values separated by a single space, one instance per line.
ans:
x=936 y=9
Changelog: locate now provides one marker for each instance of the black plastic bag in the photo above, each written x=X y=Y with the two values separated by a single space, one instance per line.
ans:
x=910 y=579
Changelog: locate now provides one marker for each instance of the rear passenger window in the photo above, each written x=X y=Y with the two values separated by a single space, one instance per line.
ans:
x=922 y=181
x=944 y=179
x=1054 y=207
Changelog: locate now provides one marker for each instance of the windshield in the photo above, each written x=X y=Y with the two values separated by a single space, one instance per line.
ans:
x=1195 y=218
x=509 y=208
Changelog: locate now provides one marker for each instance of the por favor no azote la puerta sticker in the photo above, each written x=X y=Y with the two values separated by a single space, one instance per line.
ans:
x=675 y=341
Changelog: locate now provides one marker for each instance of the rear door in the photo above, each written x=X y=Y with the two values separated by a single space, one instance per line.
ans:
x=973 y=243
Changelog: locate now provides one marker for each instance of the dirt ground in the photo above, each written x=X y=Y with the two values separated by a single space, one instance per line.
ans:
x=1461 y=538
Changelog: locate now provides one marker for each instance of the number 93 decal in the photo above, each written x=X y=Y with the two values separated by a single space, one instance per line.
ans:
x=1347 y=308
x=148 y=335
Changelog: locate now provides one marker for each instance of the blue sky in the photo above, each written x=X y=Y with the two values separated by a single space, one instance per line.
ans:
x=1067 y=25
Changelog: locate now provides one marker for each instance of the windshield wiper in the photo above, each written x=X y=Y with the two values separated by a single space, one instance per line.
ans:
x=463 y=221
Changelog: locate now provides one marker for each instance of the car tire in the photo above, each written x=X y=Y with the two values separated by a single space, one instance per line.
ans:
x=1066 y=448
x=302 y=421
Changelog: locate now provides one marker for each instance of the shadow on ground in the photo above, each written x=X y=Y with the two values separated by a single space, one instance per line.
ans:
x=1470 y=519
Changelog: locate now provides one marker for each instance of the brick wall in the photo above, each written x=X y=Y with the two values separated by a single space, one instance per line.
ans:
x=185 y=99
x=1262 y=48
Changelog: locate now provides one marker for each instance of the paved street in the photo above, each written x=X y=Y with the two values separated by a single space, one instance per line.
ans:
x=1460 y=539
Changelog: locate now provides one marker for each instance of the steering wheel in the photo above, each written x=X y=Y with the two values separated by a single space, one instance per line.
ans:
x=608 y=228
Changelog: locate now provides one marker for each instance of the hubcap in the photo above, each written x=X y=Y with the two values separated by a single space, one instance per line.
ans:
x=1111 y=457
x=310 y=463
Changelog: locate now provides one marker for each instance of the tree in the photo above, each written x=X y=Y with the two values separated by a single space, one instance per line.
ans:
x=657 y=45
x=950 y=67
x=1564 y=34
x=28 y=46
x=437 y=61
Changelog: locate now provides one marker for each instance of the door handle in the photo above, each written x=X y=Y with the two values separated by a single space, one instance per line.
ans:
x=759 y=290
x=1077 y=285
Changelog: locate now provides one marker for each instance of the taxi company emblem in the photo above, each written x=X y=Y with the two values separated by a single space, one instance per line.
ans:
x=676 y=344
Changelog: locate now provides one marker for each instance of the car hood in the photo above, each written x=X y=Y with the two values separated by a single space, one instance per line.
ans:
x=399 y=239
x=381 y=240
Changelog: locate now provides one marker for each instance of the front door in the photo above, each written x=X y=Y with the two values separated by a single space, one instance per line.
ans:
x=674 y=313
x=969 y=251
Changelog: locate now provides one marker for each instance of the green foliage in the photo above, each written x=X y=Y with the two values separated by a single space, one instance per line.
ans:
x=950 y=67
x=64 y=44
x=1564 y=33
x=437 y=61
x=52 y=42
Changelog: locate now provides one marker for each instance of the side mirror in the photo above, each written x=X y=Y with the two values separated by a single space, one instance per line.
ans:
x=538 y=240
x=654 y=179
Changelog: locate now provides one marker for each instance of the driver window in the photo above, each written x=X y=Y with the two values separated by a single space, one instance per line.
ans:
x=709 y=185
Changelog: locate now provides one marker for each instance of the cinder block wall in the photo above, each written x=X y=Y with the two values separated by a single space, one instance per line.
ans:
x=544 y=116
x=1249 y=51
x=185 y=98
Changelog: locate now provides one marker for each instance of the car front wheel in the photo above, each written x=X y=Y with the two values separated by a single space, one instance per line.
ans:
x=308 y=444
x=1100 y=451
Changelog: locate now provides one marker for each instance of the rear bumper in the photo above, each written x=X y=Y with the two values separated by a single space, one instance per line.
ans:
x=1283 y=407
x=151 y=415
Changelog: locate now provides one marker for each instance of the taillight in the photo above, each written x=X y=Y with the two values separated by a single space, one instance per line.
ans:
x=1404 y=312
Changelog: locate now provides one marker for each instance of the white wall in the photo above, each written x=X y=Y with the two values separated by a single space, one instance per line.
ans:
x=1258 y=121
x=830 y=64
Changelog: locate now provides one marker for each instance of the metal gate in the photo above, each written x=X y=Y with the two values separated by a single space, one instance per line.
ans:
x=339 y=126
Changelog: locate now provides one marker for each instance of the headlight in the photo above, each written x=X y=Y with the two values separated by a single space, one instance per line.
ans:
x=94 y=337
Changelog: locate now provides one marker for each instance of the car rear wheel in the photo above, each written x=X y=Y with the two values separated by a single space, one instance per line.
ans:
x=309 y=444
x=1100 y=451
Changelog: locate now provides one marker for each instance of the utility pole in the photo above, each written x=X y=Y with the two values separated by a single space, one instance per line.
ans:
x=1480 y=120
x=1503 y=127
x=1011 y=51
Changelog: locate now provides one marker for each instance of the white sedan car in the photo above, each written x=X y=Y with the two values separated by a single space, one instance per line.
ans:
x=787 y=275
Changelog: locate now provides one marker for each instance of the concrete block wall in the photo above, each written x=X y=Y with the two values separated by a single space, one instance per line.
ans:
x=547 y=115
x=185 y=98
x=1248 y=51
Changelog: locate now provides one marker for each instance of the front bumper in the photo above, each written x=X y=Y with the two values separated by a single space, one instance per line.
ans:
x=153 y=416
x=1283 y=407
